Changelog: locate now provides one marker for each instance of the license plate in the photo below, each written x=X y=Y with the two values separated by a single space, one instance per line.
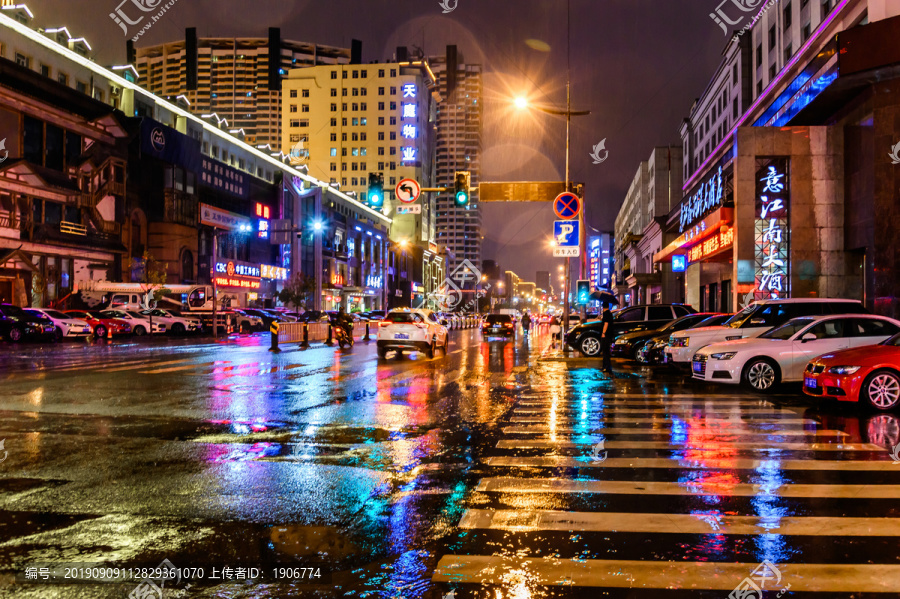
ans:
x=401 y=336
x=811 y=383
x=697 y=366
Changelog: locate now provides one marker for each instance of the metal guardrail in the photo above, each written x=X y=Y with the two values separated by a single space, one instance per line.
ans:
x=303 y=333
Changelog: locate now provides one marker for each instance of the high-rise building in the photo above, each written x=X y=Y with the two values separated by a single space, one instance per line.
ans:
x=237 y=79
x=458 y=148
x=352 y=120
x=542 y=280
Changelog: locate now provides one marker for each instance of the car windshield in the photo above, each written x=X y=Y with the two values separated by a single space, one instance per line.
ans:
x=498 y=318
x=403 y=317
x=135 y=314
x=895 y=340
x=113 y=314
x=738 y=319
x=710 y=322
x=787 y=330
x=56 y=314
x=10 y=310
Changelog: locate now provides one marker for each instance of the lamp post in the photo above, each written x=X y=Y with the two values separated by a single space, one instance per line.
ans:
x=242 y=228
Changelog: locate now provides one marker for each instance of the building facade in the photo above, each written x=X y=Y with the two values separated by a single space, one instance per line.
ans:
x=237 y=79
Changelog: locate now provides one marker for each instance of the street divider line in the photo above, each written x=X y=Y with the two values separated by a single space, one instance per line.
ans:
x=718 y=576
x=660 y=410
x=667 y=421
x=714 y=433
x=178 y=368
x=145 y=364
x=683 y=464
x=627 y=487
x=593 y=439
x=713 y=523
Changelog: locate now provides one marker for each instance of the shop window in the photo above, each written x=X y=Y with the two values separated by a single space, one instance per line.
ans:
x=52 y=213
x=187 y=266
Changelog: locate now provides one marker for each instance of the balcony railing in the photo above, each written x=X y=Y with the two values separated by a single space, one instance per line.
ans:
x=72 y=228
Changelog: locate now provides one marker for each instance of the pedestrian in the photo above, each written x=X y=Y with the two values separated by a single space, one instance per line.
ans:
x=555 y=330
x=526 y=323
x=606 y=340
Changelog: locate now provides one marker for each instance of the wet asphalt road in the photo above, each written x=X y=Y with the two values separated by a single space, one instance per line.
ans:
x=479 y=473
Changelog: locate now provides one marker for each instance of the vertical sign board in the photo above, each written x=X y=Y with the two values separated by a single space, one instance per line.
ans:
x=773 y=228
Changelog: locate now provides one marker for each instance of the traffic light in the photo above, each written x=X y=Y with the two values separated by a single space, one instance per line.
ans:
x=375 y=196
x=461 y=187
x=583 y=292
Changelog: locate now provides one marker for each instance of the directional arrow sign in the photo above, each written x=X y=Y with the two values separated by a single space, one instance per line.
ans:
x=408 y=190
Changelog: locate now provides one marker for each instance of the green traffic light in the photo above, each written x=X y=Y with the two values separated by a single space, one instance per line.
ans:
x=462 y=198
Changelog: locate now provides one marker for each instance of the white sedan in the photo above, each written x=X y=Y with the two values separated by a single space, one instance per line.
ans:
x=781 y=354
x=140 y=324
x=177 y=325
x=411 y=330
x=66 y=326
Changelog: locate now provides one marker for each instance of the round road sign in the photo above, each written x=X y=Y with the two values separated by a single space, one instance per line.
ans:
x=567 y=205
x=408 y=190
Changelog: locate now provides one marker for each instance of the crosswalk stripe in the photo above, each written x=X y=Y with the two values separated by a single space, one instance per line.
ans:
x=541 y=444
x=145 y=363
x=683 y=464
x=627 y=487
x=540 y=520
x=722 y=576
x=715 y=433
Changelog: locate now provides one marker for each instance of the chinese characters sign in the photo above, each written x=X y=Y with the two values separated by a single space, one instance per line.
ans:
x=237 y=274
x=709 y=196
x=708 y=247
x=773 y=230
x=409 y=110
x=221 y=219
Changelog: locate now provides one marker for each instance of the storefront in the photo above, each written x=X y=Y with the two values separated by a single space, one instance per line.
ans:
x=236 y=281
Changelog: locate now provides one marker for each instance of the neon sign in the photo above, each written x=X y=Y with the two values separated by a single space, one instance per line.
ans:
x=708 y=247
x=773 y=230
x=273 y=272
x=709 y=196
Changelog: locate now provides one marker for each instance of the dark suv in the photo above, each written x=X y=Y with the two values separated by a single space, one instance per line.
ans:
x=586 y=337
x=16 y=324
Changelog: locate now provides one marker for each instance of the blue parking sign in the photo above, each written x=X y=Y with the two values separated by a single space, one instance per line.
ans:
x=567 y=238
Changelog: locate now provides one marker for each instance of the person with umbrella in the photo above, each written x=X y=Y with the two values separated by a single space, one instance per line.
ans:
x=606 y=339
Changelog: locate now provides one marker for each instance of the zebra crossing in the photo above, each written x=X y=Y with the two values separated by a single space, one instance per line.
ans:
x=631 y=495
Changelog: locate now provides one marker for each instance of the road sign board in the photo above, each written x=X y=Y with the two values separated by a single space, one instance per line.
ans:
x=524 y=191
x=567 y=238
x=417 y=209
x=408 y=190
x=567 y=205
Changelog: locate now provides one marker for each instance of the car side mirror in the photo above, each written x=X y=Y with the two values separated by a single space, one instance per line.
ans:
x=808 y=337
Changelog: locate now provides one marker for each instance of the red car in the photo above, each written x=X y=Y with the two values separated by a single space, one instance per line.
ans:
x=100 y=324
x=870 y=374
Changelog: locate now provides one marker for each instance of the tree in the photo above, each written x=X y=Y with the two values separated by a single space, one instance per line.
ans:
x=297 y=290
x=153 y=282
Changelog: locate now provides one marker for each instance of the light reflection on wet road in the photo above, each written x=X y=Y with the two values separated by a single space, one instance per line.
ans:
x=485 y=472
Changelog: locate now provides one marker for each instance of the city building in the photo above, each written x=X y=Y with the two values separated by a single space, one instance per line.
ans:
x=511 y=285
x=784 y=203
x=82 y=203
x=639 y=230
x=237 y=79
x=458 y=148
x=542 y=280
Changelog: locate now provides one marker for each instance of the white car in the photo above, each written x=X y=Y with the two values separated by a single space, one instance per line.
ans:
x=411 y=330
x=66 y=325
x=781 y=354
x=752 y=321
x=140 y=324
x=177 y=325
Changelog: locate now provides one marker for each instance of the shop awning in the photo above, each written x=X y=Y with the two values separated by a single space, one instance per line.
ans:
x=16 y=259
x=711 y=225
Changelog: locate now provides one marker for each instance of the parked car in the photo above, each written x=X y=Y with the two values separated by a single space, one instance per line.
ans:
x=140 y=324
x=630 y=344
x=17 y=324
x=755 y=319
x=100 y=324
x=245 y=322
x=175 y=324
x=411 y=330
x=868 y=374
x=781 y=354
x=586 y=337
x=498 y=324
x=267 y=318
x=652 y=351
x=66 y=325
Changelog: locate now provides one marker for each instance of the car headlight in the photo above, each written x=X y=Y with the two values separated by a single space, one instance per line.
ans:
x=621 y=341
x=844 y=369
x=724 y=355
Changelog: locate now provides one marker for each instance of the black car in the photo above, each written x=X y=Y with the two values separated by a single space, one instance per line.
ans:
x=652 y=351
x=267 y=318
x=586 y=337
x=16 y=324
x=629 y=344
x=498 y=324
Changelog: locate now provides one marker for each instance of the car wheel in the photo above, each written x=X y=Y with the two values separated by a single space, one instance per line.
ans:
x=882 y=389
x=446 y=343
x=15 y=334
x=382 y=352
x=636 y=351
x=591 y=346
x=341 y=343
x=761 y=374
x=139 y=331
x=883 y=430
x=429 y=351
x=177 y=329
x=100 y=331
x=245 y=328
x=58 y=333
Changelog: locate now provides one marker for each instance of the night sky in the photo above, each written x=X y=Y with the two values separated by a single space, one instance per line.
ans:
x=636 y=64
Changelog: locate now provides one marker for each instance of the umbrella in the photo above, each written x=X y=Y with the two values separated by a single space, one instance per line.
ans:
x=604 y=297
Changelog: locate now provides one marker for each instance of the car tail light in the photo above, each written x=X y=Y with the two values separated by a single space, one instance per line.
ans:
x=384 y=323
x=509 y=325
